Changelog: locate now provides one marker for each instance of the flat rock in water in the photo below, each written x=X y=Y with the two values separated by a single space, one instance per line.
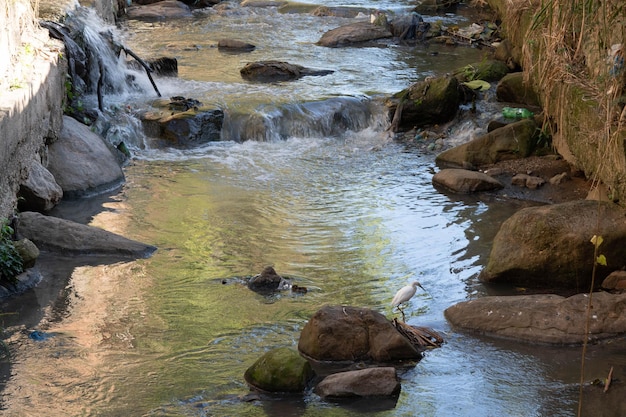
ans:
x=370 y=382
x=465 y=181
x=543 y=318
x=271 y=71
x=162 y=10
x=70 y=238
x=353 y=33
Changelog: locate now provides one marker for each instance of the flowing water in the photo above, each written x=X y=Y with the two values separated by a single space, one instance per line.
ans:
x=350 y=215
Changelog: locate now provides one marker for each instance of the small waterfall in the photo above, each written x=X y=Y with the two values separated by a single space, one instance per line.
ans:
x=100 y=70
x=325 y=118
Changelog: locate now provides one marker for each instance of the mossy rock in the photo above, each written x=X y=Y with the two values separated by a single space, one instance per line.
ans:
x=488 y=70
x=513 y=89
x=280 y=370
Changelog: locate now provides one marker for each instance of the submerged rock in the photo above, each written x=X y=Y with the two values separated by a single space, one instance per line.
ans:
x=235 y=45
x=279 y=370
x=345 y=335
x=370 y=382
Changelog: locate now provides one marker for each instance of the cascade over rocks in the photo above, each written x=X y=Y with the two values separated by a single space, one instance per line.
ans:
x=542 y=318
x=549 y=246
x=345 y=335
x=183 y=122
x=81 y=162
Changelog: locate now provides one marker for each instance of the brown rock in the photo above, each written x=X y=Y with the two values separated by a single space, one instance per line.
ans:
x=349 y=334
x=352 y=34
x=544 y=318
x=465 y=181
x=549 y=246
x=368 y=382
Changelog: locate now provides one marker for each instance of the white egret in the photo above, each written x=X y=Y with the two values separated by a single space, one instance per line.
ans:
x=404 y=294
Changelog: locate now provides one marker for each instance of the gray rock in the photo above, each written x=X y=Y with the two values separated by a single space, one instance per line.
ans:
x=81 y=162
x=69 y=238
x=40 y=191
x=544 y=318
x=370 y=382
x=353 y=33
x=465 y=181
x=549 y=246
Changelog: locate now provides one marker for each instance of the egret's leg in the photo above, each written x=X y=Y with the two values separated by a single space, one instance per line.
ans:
x=402 y=311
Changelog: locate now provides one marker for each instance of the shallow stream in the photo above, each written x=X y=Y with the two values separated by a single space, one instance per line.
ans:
x=352 y=217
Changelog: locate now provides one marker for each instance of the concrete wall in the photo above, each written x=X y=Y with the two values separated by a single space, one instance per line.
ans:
x=31 y=96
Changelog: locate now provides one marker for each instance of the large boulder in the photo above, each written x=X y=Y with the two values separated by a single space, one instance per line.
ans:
x=279 y=370
x=70 y=238
x=344 y=334
x=513 y=141
x=353 y=33
x=428 y=102
x=550 y=246
x=369 y=382
x=272 y=71
x=40 y=191
x=81 y=162
x=542 y=318
x=465 y=181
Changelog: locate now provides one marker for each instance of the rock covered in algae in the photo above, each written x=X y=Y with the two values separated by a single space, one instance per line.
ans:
x=279 y=370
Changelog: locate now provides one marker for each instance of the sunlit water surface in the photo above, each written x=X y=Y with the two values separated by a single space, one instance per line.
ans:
x=352 y=218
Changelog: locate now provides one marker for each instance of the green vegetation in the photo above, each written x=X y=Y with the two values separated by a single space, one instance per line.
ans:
x=10 y=260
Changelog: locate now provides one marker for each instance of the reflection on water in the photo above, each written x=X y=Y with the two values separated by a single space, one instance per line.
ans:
x=173 y=335
x=352 y=218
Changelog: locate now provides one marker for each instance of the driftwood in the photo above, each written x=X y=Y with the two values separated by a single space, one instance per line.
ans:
x=421 y=338
x=144 y=65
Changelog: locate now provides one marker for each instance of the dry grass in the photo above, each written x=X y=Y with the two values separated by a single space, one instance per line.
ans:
x=562 y=47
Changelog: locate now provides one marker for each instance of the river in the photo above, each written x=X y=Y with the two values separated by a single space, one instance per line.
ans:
x=353 y=217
